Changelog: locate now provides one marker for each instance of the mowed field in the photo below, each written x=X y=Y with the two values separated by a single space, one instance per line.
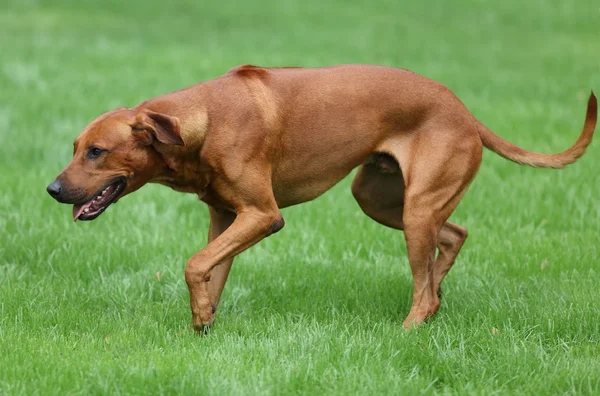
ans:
x=102 y=307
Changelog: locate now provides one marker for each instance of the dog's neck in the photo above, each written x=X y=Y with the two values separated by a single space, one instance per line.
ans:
x=193 y=117
x=181 y=163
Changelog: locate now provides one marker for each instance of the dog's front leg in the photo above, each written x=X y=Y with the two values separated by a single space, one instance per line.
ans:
x=250 y=226
x=220 y=221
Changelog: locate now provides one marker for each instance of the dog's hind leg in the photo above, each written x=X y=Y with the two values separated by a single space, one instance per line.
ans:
x=438 y=175
x=379 y=190
x=450 y=240
x=441 y=169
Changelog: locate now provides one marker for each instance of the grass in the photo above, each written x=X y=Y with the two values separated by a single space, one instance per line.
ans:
x=318 y=307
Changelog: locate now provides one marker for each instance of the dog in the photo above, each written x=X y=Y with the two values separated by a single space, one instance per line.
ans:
x=256 y=140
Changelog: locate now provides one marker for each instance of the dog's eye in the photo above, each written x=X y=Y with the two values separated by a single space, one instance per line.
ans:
x=95 y=152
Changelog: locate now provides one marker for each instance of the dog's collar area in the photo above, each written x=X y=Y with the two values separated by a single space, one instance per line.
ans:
x=95 y=206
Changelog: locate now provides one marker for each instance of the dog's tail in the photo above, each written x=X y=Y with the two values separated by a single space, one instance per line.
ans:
x=539 y=160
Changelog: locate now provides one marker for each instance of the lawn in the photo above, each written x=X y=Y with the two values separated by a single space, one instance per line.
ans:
x=102 y=307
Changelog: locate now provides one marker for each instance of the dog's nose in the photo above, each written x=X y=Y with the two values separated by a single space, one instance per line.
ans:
x=54 y=188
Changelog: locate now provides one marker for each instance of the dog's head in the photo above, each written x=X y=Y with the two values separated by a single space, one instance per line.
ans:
x=112 y=157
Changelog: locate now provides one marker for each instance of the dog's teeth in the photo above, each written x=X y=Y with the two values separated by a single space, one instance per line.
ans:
x=86 y=210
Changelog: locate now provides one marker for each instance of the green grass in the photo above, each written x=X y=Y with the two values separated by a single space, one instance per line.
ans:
x=318 y=307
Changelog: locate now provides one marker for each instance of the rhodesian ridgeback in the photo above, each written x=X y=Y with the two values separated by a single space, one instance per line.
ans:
x=256 y=140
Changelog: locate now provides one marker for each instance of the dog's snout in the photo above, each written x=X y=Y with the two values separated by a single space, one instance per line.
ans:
x=54 y=188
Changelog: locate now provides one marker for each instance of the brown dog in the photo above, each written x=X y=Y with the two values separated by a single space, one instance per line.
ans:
x=256 y=140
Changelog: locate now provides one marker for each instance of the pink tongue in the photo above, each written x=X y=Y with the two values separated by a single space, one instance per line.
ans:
x=78 y=209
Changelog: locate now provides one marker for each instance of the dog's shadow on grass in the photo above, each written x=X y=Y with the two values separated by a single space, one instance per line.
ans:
x=318 y=291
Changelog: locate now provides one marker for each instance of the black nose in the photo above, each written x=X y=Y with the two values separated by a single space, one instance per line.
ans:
x=54 y=188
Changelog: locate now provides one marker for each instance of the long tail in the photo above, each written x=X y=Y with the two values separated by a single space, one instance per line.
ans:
x=539 y=160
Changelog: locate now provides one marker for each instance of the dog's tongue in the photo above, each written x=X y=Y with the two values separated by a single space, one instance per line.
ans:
x=77 y=210
x=95 y=204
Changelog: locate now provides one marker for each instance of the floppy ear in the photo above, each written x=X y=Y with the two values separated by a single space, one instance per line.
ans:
x=150 y=125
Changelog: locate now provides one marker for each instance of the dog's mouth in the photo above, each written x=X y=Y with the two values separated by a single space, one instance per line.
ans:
x=102 y=200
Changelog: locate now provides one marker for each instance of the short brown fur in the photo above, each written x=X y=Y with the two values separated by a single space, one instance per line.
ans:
x=256 y=140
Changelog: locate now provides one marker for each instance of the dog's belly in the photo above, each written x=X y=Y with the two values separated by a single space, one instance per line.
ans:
x=293 y=192
x=311 y=171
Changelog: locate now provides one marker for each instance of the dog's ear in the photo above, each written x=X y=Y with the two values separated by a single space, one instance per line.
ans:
x=150 y=125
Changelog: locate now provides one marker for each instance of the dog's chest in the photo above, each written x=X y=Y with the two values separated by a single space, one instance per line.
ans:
x=185 y=176
x=211 y=197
